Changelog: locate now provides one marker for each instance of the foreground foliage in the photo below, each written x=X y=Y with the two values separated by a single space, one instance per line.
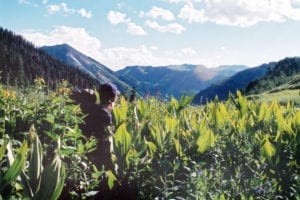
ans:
x=238 y=149
x=42 y=149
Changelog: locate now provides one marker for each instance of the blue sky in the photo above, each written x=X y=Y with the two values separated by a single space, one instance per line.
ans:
x=121 y=33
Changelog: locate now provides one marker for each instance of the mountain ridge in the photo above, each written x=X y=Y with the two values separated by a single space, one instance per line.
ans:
x=266 y=78
x=70 y=55
x=175 y=80
x=236 y=82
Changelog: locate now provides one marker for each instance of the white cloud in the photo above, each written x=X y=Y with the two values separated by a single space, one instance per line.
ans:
x=76 y=37
x=84 y=13
x=117 y=57
x=62 y=7
x=157 y=12
x=115 y=17
x=44 y=1
x=243 y=13
x=114 y=58
x=191 y=15
x=153 y=47
x=134 y=29
x=120 y=57
x=172 y=28
x=53 y=8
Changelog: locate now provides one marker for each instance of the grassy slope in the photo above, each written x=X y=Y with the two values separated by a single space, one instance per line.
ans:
x=284 y=93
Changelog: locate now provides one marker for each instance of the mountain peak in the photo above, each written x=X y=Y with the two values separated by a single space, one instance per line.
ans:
x=70 y=55
x=60 y=47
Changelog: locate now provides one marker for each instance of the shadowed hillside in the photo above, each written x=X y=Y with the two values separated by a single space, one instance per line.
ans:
x=21 y=62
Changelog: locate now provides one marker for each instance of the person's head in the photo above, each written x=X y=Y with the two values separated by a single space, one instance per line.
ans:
x=108 y=93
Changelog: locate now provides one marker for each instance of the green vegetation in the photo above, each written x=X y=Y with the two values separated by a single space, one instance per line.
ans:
x=284 y=93
x=284 y=75
x=42 y=149
x=282 y=96
x=21 y=63
x=237 y=149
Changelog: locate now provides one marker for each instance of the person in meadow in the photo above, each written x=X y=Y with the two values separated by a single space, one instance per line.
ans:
x=98 y=123
x=102 y=123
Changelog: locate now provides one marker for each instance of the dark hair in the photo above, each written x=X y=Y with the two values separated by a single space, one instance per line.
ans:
x=108 y=93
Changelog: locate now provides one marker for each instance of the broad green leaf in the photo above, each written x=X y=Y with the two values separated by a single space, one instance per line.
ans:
x=193 y=122
x=282 y=123
x=174 y=103
x=268 y=148
x=122 y=139
x=184 y=101
x=297 y=120
x=151 y=148
x=157 y=135
x=111 y=179
x=206 y=139
x=178 y=147
x=2 y=148
x=241 y=123
x=171 y=124
x=52 y=180
x=60 y=183
x=220 y=114
x=262 y=111
x=35 y=163
x=120 y=112
x=16 y=167
x=142 y=108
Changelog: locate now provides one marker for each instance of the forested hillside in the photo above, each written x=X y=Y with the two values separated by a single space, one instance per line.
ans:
x=237 y=82
x=282 y=73
x=21 y=62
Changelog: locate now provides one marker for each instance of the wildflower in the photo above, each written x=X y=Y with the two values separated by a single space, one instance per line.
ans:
x=64 y=90
x=8 y=94
x=39 y=81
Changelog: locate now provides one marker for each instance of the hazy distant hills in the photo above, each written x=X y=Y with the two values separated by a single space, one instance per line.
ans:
x=68 y=54
x=175 y=80
x=266 y=78
x=239 y=81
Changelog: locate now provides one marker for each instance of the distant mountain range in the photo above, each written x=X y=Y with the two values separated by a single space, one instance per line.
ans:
x=71 y=56
x=266 y=78
x=21 y=63
x=239 y=81
x=175 y=80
